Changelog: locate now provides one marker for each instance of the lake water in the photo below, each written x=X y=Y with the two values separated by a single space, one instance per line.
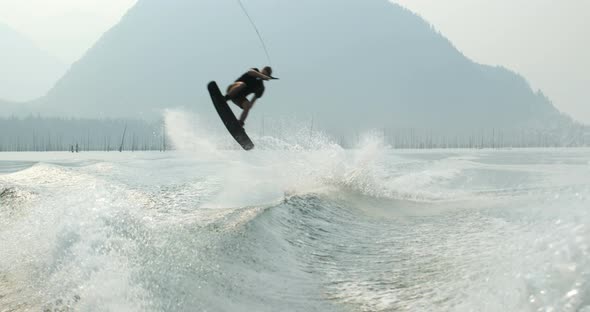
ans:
x=322 y=229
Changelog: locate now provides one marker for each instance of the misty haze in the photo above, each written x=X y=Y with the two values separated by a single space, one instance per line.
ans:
x=289 y=155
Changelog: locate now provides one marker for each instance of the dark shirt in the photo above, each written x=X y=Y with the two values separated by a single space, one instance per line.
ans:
x=253 y=84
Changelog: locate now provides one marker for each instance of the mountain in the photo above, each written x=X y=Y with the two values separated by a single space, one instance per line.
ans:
x=26 y=71
x=337 y=59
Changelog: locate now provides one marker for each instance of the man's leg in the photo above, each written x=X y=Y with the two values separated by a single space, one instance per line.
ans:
x=234 y=90
x=239 y=101
x=246 y=106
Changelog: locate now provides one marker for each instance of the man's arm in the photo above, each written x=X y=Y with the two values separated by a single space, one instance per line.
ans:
x=258 y=74
x=254 y=99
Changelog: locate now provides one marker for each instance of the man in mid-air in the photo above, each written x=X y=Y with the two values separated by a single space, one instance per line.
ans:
x=249 y=83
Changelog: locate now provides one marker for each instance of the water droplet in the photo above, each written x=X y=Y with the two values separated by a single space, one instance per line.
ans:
x=572 y=293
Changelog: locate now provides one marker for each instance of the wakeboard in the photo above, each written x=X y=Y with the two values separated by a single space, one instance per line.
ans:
x=227 y=116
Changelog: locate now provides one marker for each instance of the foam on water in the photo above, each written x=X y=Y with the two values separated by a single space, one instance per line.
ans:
x=299 y=224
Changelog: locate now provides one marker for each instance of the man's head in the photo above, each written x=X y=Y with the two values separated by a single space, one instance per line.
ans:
x=267 y=71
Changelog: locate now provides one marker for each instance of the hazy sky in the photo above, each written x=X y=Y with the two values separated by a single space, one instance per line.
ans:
x=65 y=28
x=545 y=40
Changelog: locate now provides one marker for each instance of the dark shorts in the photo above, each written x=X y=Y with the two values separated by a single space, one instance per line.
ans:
x=238 y=98
x=245 y=92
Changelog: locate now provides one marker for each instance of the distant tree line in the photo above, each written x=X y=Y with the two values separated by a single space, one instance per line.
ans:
x=533 y=135
x=36 y=133
x=413 y=138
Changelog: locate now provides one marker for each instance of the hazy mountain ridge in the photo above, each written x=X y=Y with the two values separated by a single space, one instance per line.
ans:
x=26 y=71
x=392 y=68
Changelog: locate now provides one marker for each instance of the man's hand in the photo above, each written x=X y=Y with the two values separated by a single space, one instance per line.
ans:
x=260 y=75
x=241 y=123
